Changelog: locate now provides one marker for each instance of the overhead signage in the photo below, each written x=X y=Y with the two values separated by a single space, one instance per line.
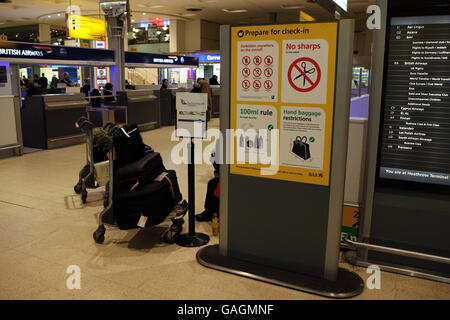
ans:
x=21 y=50
x=305 y=17
x=3 y=37
x=283 y=77
x=81 y=27
x=137 y=58
x=206 y=58
x=342 y=4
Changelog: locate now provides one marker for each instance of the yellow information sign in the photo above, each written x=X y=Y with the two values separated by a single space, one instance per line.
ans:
x=81 y=27
x=3 y=37
x=283 y=78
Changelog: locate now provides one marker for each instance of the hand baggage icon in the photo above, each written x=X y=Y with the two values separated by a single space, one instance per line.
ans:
x=301 y=148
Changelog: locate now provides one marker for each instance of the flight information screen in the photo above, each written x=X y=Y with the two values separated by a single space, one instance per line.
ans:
x=415 y=144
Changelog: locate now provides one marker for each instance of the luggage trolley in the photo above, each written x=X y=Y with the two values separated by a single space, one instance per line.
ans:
x=87 y=177
x=108 y=216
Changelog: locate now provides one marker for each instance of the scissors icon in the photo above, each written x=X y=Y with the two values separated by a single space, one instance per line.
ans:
x=305 y=72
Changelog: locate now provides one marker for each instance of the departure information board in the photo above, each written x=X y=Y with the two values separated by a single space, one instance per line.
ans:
x=416 y=124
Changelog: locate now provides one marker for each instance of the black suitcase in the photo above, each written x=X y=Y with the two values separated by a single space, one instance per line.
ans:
x=128 y=144
x=140 y=172
x=154 y=200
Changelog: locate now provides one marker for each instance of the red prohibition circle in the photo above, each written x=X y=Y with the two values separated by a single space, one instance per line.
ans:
x=257 y=72
x=268 y=84
x=245 y=84
x=268 y=72
x=246 y=60
x=246 y=72
x=257 y=84
x=268 y=60
x=295 y=65
x=257 y=60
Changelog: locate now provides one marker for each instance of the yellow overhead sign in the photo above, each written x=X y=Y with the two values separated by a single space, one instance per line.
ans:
x=283 y=77
x=305 y=17
x=81 y=27
x=3 y=37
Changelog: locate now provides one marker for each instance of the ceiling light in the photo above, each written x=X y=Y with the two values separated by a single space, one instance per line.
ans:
x=132 y=20
x=292 y=6
x=59 y=14
x=156 y=6
x=49 y=16
x=144 y=13
x=235 y=10
x=188 y=15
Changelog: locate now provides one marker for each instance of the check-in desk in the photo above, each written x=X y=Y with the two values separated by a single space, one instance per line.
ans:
x=168 y=106
x=142 y=108
x=101 y=116
x=215 y=102
x=48 y=121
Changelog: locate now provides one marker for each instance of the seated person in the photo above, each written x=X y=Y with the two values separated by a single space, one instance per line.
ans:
x=33 y=88
x=107 y=91
x=128 y=86
x=96 y=103
x=86 y=87
x=196 y=88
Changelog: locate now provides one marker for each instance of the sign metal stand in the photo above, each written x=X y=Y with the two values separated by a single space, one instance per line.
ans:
x=192 y=239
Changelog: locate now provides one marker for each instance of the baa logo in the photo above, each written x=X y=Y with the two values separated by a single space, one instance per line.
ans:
x=240 y=33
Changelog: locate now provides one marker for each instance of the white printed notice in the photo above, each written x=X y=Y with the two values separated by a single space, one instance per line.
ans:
x=305 y=66
x=191 y=114
x=256 y=123
x=302 y=133
x=257 y=74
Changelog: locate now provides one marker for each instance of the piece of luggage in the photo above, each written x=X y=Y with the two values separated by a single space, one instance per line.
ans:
x=300 y=147
x=140 y=172
x=154 y=200
x=128 y=144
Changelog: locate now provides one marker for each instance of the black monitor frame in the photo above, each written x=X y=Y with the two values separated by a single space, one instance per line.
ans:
x=403 y=8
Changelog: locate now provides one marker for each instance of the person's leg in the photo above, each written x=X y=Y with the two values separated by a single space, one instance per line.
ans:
x=211 y=202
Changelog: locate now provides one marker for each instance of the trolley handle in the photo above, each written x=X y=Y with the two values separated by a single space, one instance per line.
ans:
x=83 y=124
x=108 y=125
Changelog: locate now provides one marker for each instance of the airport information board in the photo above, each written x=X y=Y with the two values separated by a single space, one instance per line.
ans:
x=416 y=125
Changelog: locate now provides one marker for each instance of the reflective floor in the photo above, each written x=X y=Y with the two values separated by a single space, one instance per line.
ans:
x=44 y=229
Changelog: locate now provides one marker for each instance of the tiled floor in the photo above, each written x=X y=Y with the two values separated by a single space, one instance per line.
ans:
x=44 y=228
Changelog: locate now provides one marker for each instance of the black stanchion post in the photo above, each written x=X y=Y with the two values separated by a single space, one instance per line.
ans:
x=191 y=188
x=192 y=238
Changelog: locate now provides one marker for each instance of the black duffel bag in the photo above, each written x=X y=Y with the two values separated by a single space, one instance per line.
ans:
x=141 y=172
x=154 y=200
x=128 y=144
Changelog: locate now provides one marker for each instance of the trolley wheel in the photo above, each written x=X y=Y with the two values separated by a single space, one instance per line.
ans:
x=77 y=188
x=99 y=235
x=170 y=236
